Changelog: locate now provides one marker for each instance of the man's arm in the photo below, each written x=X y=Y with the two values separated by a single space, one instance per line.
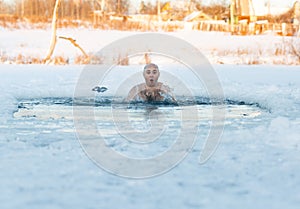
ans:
x=134 y=92
x=167 y=90
x=131 y=94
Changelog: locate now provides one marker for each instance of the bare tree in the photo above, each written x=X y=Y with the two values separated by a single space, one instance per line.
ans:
x=117 y=6
x=1 y=6
x=54 y=36
x=54 y=27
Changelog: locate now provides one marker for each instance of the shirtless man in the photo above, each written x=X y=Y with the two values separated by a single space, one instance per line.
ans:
x=151 y=90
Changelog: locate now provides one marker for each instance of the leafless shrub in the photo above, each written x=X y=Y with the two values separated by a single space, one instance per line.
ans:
x=289 y=49
x=82 y=60
x=283 y=18
x=295 y=48
x=95 y=59
x=3 y=58
x=147 y=58
x=216 y=10
x=59 y=60
x=123 y=60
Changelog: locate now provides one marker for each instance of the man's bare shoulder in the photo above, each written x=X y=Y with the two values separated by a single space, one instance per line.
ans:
x=140 y=86
x=134 y=91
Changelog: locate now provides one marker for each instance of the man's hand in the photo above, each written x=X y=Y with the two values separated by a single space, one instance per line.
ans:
x=152 y=95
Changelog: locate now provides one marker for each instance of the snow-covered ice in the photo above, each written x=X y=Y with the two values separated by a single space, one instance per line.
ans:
x=255 y=165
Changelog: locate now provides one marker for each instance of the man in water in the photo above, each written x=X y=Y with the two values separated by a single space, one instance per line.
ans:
x=151 y=90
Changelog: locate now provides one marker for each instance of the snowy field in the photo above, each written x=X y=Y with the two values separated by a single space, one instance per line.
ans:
x=256 y=165
x=19 y=46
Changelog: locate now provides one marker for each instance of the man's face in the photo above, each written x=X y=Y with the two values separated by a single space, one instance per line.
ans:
x=151 y=76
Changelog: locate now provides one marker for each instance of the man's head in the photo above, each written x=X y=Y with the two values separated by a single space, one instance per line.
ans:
x=151 y=74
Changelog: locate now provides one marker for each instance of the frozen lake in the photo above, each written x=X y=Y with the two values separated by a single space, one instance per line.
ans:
x=257 y=161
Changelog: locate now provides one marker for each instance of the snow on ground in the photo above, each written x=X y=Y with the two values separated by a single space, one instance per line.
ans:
x=216 y=46
x=256 y=165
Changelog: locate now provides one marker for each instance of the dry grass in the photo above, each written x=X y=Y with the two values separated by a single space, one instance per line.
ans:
x=56 y=60
x=284 y=52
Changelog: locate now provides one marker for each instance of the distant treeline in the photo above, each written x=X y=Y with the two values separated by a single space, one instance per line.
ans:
x=41 y=10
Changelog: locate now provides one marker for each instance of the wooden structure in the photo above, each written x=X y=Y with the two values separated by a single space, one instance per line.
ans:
x=247 y=18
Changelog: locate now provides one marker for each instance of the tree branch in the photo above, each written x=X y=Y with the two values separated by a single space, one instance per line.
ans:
x=73 y=41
